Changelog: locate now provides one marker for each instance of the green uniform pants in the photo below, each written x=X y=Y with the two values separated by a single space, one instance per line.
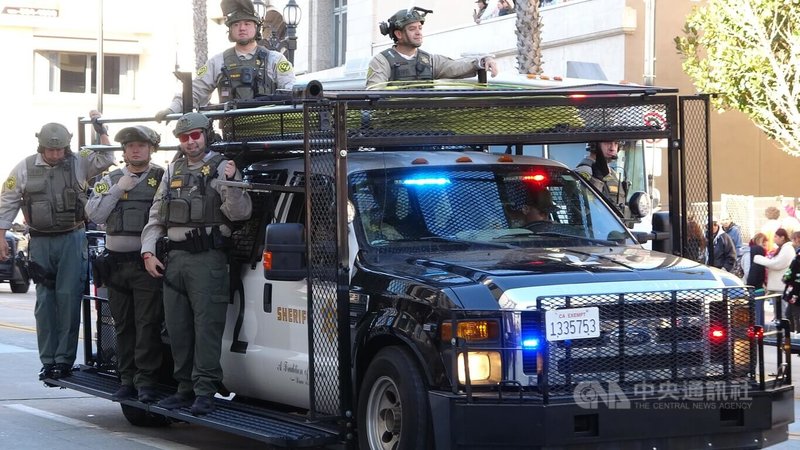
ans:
x=137 y=309
x=58 y=310
x=196 y=299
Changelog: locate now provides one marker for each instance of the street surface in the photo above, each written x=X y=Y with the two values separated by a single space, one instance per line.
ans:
x=34 y=417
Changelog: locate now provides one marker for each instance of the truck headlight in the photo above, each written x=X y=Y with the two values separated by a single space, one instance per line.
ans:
x=484 y=368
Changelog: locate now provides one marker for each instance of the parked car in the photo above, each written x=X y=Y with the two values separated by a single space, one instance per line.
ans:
x=14 y=269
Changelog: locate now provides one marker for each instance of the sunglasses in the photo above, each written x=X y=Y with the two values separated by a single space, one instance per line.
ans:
x=195 y=135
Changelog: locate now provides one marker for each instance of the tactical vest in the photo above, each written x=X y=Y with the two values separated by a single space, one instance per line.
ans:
x=191 y=201
x=419 y=68
x=609 y=185
x=131 y=213
x=54 y=199
x=244 y=79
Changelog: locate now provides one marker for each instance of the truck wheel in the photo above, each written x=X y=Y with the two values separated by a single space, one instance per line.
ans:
x=141 y=418
x=20 y=287
x=392 y=404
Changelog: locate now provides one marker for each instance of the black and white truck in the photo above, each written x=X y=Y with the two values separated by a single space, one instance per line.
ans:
x=389 y=293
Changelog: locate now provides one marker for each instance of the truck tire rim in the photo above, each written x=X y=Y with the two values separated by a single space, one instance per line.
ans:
x=384 y=415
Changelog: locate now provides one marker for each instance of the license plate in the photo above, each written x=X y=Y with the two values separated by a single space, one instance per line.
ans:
x=572 y=323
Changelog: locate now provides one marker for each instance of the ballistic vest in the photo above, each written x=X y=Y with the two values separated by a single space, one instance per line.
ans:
x=191 y=201
x=54 y=199
x=419 y=68
x=131 y=213
x=244 y=79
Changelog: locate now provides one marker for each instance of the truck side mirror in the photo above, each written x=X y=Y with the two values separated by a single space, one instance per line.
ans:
x=284 y=256
x=639 y=204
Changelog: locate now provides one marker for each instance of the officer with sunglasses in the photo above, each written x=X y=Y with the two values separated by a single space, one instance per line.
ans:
x=406 y=62
x=196 y=213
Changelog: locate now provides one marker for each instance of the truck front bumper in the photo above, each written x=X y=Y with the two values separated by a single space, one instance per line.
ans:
x=757 y=422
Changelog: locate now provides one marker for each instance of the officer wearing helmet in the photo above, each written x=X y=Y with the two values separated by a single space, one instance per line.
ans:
x=242 y=72
x=405 y=61
x=50 y=189
x=121 y=200
x=596 y=169
x=196 y=213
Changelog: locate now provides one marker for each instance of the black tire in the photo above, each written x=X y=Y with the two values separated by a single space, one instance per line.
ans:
x=141 y=418
x=393 y=387
x=20 y=288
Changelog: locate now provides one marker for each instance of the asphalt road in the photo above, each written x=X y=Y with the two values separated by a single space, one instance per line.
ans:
x=34 y=417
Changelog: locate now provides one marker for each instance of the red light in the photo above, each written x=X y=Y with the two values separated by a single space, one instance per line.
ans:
x=716 y=333
x=538 y=178
x=578 y=96
x=752 y=334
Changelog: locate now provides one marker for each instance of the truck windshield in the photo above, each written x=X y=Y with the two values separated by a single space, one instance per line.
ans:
x=501 y=205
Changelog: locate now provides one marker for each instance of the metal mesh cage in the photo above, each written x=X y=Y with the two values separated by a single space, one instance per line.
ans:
x=651 y=337
x=106 y=337
x=697 y=177
x=323 y=260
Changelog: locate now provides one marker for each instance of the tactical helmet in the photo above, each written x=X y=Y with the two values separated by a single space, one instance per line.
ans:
x=402 y=18
x=191 y=121
x=138 y=133
x=236 y=10
x=54 y=135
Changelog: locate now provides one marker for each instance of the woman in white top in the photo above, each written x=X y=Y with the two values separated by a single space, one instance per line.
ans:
x=777 y=265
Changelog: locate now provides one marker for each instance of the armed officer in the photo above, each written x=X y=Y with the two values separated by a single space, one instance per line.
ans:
x=121 y=201
x=50 y=187
x=596 y=169
x=406 y=62
x=195 y=212
x=242 y=72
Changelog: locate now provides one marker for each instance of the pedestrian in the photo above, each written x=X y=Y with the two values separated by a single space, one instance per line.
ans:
x=696 y=248
x=195 y=212
x=480 y=10
x=505 y=7
x=756 y=273
x=791 y=293
x=776 y=267
x=596 y=169
x=50 y=187
x=121 y=200
x=405 y=61
x=733 y=230
x=245 y=71
x=722 y=253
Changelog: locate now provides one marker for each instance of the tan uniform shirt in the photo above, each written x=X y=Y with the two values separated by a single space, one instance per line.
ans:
x=380 y=70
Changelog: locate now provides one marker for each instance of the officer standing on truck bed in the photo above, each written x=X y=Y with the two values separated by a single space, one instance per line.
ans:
x=195 y=212
x=121 y=201
x=50 y=188
x=596 y=169
x=242 y=72
x=406 y=62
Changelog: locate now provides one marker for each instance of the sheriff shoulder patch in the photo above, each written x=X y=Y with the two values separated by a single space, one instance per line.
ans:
x=10 y=183
x=101 y=188
x=84 y=152
x=284 y=67
x=369 y=72
x=202 y=70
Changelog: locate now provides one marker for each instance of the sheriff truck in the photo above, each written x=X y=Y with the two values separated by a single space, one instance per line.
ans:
x=390 y=290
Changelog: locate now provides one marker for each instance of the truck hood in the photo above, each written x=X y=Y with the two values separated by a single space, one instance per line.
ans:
x=516 y=277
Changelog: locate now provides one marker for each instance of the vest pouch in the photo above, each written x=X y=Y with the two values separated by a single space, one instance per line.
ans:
x=198 y=208
x=133 y=221
x=42 y=217
x=36 y=185
x=178 y=211
x=70 y=200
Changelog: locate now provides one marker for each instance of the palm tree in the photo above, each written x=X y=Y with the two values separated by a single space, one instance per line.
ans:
x=200 y=24
x=529 y=37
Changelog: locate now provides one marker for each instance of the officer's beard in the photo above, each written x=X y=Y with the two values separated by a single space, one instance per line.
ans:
x=244 y=42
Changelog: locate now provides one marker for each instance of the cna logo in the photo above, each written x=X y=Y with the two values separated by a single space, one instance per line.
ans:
x=590 y=394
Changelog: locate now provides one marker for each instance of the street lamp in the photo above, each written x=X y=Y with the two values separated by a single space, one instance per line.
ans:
x=286 y=23
x=291 y=17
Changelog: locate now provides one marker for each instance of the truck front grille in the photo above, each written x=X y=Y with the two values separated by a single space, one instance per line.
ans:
x=653 y=337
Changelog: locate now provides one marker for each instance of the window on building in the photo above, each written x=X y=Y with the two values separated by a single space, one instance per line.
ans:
x=77 y=73
x=339 y=31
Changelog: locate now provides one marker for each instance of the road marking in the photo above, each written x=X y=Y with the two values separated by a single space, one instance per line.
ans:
x=18 y=327
x=150 y=441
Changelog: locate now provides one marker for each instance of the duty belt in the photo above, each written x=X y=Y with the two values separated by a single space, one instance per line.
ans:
x=198 y=240
x=122 y=257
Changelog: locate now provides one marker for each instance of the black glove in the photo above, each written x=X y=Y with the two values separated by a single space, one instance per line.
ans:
x=600 y=166
x=99 y=128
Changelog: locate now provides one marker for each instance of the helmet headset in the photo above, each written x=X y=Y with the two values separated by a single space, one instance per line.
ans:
x=402 y=18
